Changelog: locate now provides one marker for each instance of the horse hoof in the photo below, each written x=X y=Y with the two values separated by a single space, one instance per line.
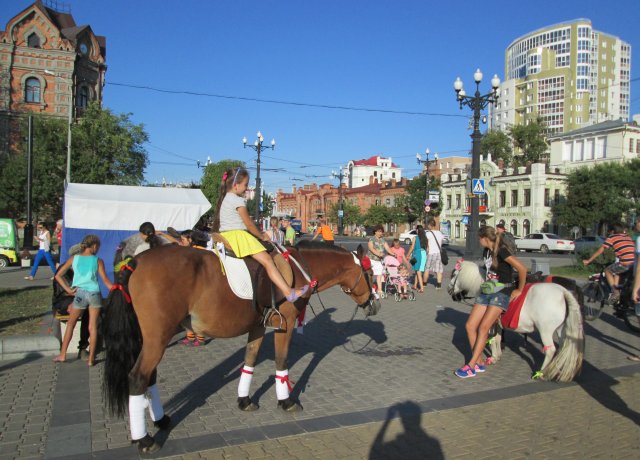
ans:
x=163 y=423
x=147 y=445
x=289 y=405
x=245 y=404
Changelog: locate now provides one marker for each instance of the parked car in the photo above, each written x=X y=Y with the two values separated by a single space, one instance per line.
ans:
x=588 y=242
x=8 y=242
x=407 y=237
x=544 y=242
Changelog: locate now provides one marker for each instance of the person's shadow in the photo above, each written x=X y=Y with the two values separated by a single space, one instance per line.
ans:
x=412 y=443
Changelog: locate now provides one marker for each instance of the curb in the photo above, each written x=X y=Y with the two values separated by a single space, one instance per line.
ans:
x=45 y=343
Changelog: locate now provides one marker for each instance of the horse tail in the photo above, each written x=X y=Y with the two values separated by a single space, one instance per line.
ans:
x=123 y=341
x=567 y=362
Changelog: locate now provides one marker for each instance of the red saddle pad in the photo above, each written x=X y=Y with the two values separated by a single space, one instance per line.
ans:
x=511 y=317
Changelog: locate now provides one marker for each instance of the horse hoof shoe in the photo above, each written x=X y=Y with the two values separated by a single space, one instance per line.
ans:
x=537 y=376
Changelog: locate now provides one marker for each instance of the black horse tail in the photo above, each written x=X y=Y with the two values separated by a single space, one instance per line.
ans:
x=123 y=342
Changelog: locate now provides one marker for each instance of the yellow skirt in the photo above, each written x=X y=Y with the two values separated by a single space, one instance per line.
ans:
x=243 y=243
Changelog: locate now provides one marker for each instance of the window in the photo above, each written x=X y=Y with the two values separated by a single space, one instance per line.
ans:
x=513 y=227
x=527 y=197
x=556 y=197
x=458 y=201
x=526 y=227
x=514 y=198
x=448 y=201
x=83 y=97
x=630 y=145
x=32 y=90
x=637 y=145
x=503 y=198
x=387 y=202
x=547 y=195
x=33 y=41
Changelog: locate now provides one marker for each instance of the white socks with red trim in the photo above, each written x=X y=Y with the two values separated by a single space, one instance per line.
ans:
x=137 y=423
x=282 y=384
x=155 y=405
x=246 y=374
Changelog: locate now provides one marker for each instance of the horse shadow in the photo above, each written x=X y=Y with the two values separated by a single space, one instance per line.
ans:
x=599 y=385
x=196 y=393
x=321 y=336
x=607 y=339
x=450 y=317
x=411 y=441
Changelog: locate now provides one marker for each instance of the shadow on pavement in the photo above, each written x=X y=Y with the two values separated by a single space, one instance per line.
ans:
x=19 y=362
x=412 y=443
x=322 y=336
x=599 y=386
x=456 y=320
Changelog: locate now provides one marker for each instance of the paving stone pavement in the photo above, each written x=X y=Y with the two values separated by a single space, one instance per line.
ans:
x=347 y=376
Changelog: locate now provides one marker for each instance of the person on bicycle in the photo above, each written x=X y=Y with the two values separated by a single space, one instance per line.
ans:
x=623 y=246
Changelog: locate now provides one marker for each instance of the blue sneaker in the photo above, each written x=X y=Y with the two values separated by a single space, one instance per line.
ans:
x=479 y=368
x=465 y=372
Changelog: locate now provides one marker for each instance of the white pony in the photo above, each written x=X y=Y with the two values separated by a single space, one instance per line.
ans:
x=549 y=308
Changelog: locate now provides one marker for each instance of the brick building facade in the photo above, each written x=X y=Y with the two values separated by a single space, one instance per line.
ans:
x=47 y=65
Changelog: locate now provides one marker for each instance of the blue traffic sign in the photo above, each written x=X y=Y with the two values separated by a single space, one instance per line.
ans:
x=477 y=186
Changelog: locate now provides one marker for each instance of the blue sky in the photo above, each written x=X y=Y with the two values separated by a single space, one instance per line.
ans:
x=400 y=56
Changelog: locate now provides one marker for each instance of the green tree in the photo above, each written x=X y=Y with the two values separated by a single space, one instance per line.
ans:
x=498 y=144
x=412 y=202
x=212 y=180
x=530 y=140
x=606 y=193
x=106 y=149
x=376 y=214
x=351 y=213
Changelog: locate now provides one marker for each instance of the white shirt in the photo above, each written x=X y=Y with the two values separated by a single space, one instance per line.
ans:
x=432 y=235
x=229 y=216
x=43 y=239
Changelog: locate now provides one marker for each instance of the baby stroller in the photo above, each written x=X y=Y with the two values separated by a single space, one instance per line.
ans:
x=393 y=280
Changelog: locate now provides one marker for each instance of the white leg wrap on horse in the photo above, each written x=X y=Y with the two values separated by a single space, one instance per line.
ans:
x=283 y=387
x=138 y=425
x=246 y=374
x=155 y=405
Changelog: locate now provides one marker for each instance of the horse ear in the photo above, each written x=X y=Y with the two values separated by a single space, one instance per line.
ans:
x=360 y=251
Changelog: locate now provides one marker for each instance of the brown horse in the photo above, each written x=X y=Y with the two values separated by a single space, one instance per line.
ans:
x=147 y=306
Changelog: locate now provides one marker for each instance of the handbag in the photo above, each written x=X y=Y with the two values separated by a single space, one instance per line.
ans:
x=444 y=257
x=413 y=261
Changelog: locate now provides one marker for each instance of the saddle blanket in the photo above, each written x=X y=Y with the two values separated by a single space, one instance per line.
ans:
x=511 y=317
x=238 y=275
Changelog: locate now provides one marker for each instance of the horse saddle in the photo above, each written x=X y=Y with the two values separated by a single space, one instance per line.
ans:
x=246 y=276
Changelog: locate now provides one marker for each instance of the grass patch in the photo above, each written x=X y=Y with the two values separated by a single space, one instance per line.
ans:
x=21 y=310
x=572 y=271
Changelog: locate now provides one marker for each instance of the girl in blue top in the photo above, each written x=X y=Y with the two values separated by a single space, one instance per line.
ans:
x=233 y=222
x=86 y=291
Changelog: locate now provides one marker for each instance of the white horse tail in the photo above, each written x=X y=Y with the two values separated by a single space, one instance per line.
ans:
x=567 y=362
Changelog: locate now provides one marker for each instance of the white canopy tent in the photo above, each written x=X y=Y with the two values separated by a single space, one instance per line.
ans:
x=115 y=212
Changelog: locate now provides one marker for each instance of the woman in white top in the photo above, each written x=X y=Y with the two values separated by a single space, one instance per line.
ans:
x=44 y=250
x=434 y=260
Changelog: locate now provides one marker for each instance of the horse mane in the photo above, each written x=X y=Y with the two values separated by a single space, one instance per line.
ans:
x=308 y=244
x=469 y=278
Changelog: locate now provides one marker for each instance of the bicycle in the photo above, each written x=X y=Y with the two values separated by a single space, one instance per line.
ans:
x=597 y=294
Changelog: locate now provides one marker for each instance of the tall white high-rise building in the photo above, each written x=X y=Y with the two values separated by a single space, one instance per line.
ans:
x=569 y=74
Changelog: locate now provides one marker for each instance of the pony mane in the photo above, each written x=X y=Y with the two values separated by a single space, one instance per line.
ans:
x=469 y=278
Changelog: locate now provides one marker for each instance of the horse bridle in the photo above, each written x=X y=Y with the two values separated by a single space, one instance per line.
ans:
x=349 y=291
x=460 y=296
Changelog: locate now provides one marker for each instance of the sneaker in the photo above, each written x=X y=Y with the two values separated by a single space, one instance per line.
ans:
x=465 y=372
x=487 y=362
x=479 y=368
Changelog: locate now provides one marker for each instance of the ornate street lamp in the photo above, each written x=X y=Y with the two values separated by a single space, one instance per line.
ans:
x=426 y=162
x=258 y=146
x=207 y=163
x=476 y=103
x=340 y=176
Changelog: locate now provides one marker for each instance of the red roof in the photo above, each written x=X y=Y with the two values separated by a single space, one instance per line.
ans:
x=373 y=161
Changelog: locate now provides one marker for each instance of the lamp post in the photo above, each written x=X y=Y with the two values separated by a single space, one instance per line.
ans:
x=426 y=162
x=207 y=163
x=258 y=146
x=67 y=178
x=476 y=103
x=340 y=175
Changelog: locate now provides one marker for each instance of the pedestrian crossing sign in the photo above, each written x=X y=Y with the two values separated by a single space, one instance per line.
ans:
x=477 y=186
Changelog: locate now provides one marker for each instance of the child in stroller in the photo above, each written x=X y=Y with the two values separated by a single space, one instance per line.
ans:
x=396 y=280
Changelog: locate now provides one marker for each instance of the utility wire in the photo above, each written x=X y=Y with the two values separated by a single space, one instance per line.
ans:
x=275 y=101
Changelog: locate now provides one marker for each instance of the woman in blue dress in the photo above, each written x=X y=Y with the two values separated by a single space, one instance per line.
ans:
x=418 y=250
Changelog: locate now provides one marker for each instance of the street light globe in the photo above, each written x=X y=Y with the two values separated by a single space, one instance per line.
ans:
x=256 y=143
x=435 y=156
x=244 y=140
x=477 y=76
x=427 y=151
x=457 y=85
x=462 y=93
x=495 y=81
x=418 y=157
x=273 y=142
